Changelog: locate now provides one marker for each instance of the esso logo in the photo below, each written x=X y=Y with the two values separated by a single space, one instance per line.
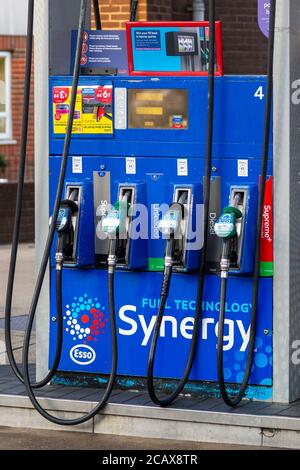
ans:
x=60 y=94
x=104 y=94
x=82 y=354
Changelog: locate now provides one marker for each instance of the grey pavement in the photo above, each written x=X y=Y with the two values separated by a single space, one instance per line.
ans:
x=24 y=283
x=22 y=439
x=25 y=276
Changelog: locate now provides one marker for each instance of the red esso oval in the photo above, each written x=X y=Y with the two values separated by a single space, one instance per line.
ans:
x=104 y=94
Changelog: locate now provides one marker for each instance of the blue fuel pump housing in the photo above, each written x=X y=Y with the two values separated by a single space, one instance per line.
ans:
x=127 y=141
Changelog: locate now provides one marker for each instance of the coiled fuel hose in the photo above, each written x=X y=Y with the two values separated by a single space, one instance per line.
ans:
x=170 y=245
x=220 y=357
x=44 y=264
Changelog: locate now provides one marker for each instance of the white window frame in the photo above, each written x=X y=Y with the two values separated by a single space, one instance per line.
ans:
x=8 y=113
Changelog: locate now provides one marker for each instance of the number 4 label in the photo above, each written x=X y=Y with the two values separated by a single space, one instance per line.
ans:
x=259 y=93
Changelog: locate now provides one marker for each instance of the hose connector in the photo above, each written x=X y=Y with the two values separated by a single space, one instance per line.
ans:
x=59 y=259
x=169 y=261
x=225 y=266
x=112 y=263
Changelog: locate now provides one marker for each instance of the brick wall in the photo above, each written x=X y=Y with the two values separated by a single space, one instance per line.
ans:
x=7 y=212
x=115 y=13
x=244 y=46
x=182 y=10
x=17 y=46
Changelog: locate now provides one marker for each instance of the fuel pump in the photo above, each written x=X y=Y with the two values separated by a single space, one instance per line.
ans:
x=170 y=225
x=226 y=228
x=126 y=153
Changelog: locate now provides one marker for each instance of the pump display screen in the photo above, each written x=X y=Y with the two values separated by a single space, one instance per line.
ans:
x=186 y=44
x=183 y=43
x=158 y=109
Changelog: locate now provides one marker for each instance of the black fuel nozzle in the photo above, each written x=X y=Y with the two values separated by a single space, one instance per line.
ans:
x=65 y=230
x=225 y=228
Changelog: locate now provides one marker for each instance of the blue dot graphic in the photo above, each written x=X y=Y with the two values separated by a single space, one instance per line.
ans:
x=77 y=310
x=90 y=301
x=88 y=307
x=82 y=307
x=239 y=356
x=266 y=381
x=227 y=373
x=239 y=377
x=80 y=299
x=73 y=304
x=268 y=349
x=261 y=360
x=97 y=305
x=237 y=367
x=74 y=315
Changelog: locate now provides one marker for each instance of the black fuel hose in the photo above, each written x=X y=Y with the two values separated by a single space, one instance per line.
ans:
x=133 y=10
x=46 y=255
x=167 y=274
x=266 y=144
x=18 y=215
x=97 y=14
x=114 y=360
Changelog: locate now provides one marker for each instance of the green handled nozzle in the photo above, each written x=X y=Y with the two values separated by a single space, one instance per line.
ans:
x=115 y=221
x=225 y=227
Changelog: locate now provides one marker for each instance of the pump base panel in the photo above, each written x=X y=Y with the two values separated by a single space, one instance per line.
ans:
x=87 y=348
x=133 y=414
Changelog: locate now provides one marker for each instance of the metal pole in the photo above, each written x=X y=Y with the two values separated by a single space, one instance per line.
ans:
x=198 y=10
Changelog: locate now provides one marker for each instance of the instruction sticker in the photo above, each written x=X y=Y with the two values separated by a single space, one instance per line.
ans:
x=77 y=165
x=182 y=167
x=130 y=166
x=93 y=110
x=243 y=168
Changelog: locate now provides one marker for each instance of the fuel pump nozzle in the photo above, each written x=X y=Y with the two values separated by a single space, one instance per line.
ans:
x=64 y=229
x=171 y=226
x=114 y=224
x=225 y=228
